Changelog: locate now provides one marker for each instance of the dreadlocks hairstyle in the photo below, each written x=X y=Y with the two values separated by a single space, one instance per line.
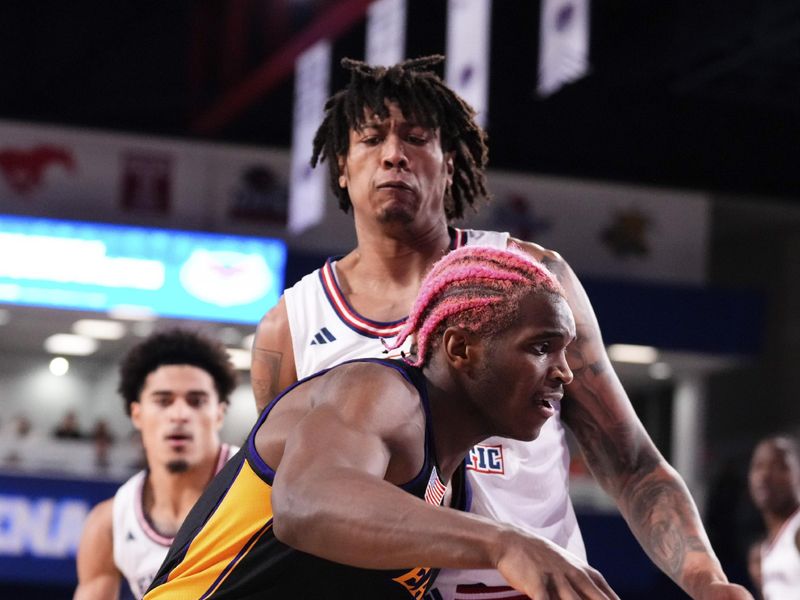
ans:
x=175 y=347
x=476 y=288
x=421 y=95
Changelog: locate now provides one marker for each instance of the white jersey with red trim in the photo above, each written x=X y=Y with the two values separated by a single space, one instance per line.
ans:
x=780 y=563
x=523 y=483
x=139 y=549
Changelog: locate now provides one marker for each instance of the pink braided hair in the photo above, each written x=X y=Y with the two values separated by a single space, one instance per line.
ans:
x=475 y=287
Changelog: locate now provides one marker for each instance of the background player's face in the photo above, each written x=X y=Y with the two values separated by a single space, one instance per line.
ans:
x=774 y=477
x=179 y=415
x=395 y=170
x=524 y=368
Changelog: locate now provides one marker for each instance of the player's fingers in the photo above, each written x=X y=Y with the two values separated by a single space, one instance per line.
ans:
x=534 y=587
x=560 y=588
x=592 y=586
x=602 y=584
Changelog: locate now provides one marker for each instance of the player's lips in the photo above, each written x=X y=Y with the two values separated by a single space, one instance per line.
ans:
x=396 y=184
x=178 y=440
x=545 y=402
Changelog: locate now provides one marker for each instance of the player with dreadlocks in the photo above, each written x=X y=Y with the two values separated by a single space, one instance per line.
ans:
x=405 y=154
x=339 y=491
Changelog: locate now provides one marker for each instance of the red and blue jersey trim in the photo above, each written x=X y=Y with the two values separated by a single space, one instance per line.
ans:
x=350 y=317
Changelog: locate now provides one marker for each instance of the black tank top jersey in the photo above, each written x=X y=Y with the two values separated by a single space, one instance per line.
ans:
x=226 y=549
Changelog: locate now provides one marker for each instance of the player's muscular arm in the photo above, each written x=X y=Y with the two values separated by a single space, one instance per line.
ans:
x=272 y=365
x=331 y=498
x=649 y=493
x=98 y=577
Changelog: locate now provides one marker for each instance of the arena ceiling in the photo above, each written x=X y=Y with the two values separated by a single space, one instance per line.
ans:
x=704 y=95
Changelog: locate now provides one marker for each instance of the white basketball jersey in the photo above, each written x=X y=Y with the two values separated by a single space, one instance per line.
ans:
x=780 y=563
x=523 y=483
x=139 y=549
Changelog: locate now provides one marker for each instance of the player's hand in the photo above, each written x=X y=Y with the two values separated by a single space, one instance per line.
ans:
x=545 y=571
x=725 y=591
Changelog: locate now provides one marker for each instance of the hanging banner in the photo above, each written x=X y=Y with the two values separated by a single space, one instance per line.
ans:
x=563 y=43
x=386 y=32
x=307 y=188
x=467 y=65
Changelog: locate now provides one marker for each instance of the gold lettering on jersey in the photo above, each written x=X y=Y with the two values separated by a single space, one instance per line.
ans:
x=416 y=581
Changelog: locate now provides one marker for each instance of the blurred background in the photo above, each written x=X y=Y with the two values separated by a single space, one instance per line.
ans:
x=154 y=171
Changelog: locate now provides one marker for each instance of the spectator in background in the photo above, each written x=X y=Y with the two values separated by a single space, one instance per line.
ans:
x=774 y=483
x=15 y=443
x=103 y=439
x=68 y=428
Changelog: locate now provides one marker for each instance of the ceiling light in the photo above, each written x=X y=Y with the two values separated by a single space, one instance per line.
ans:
x=230 y=336
x=99 y=329
x=71 y=345
x=240 y=359
x=629 y=353
x=59 y=366
x=660 y=370
x=132 y=312
x=143 y=328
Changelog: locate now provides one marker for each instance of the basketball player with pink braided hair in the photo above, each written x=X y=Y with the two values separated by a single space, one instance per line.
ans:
x=405 y=155
x=341 y=488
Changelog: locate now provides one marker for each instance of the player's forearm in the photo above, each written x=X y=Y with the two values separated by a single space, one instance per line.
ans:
x=368 y=523
x=657 y=506
x=650 y=494
x=661 y=513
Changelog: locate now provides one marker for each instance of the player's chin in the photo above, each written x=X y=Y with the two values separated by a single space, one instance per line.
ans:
x=526 y=433
x=177 y=465
x=400 y=211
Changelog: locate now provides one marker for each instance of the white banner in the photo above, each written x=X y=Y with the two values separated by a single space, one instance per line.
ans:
x=605 y=230
x=563 y=43
x=75 y=174
x=307 y=186
x=467 y=65
x=386 y=32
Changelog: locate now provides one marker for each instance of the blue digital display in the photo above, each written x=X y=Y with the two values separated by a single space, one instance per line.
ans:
x=172 y=273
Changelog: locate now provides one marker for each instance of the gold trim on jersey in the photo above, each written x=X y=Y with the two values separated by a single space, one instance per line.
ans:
x=243 y=516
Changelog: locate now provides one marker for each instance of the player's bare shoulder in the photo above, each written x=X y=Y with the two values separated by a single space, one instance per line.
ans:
x=272 y=365
x=550 y=258
x=99 y=522
x=372 y=395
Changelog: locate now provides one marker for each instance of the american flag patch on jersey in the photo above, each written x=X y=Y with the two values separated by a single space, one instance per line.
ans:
x=434 y=493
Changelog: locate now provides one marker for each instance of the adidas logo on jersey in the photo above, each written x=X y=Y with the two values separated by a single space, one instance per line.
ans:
x=130 y=537
x=323 y=336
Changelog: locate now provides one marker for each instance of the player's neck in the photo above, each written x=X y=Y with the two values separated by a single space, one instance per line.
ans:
x=398 y=252
x=456 y=427
x=170 y=492
x=774 y=520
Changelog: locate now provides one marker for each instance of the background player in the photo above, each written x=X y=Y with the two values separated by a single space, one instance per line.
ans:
x=774 y=481
x=176 y=387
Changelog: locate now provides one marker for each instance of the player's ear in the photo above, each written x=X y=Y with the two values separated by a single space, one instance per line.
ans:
x=449 y=164
x=460 y=348
x=136 y=415
x=341 y=160
x=222 y=410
